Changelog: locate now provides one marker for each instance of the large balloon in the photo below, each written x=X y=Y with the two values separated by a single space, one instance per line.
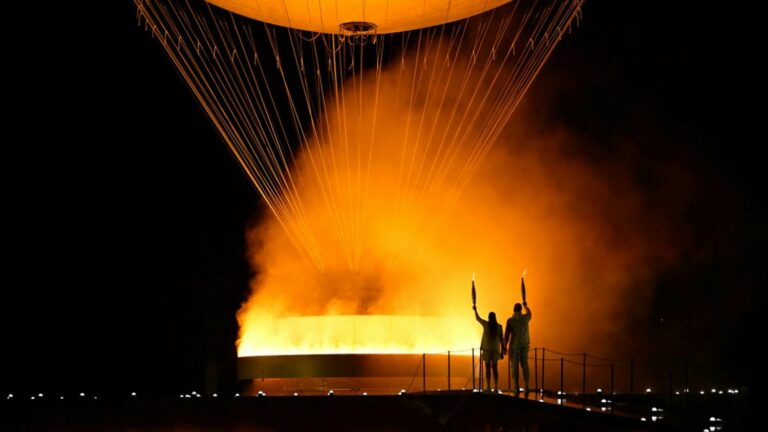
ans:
x=360 y=139
x=326 y=16
x=280 y=95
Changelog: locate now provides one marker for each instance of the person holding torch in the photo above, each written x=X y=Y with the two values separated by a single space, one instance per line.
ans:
x=491 y=345
x=517 y=339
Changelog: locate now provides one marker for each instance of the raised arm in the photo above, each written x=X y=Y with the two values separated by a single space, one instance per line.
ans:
x=477 y=316
x=528 y=311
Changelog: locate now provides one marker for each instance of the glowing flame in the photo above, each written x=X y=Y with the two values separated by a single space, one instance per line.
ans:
x=380 y=196
x=359 y=334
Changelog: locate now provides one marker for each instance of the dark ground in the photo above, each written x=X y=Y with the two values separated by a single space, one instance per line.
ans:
x=413 y=412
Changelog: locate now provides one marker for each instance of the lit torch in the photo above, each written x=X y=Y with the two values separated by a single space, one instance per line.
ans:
x=522 y=287
x=474 y=294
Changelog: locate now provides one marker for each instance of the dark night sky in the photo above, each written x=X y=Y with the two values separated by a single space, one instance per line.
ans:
x=125 y=214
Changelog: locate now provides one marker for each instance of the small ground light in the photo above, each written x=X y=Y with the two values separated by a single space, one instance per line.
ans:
x=295 y=394
x=677 y=392
x=365 y=393
x=260 y=393
x=237 y=394
x=32 y=398
x=330 y=392
x=643 y=419
x=701 y=392
x=402 y=392
x=10 y=396
x=61 y=397
x=133 y=394
x=82 y=394
x=215 y=395
x=653 y=418
x=648 y=390
x=589 y=409
x=39 y=395
x=599 y=390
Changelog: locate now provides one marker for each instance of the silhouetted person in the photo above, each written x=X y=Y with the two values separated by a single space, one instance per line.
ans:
x=491 y=347
x=518 y=341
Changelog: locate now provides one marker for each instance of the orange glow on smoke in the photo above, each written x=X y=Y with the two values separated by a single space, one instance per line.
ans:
x=398 y=244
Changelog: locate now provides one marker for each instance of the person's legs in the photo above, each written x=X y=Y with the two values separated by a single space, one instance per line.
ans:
x=515 y=363
x=526 y=371
x=488 y=375
x=495 y=366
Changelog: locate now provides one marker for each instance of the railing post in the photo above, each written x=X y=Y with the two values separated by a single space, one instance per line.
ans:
x=536 y=368
x=685 y=388
x=612 y=375
x=449 y=370
x=584 y=380
x=543 y=362
x=631 y=385
x=473 y=369
x=424 y=372
x=561 y=380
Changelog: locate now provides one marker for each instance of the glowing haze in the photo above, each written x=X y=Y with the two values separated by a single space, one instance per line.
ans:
x=401 y=218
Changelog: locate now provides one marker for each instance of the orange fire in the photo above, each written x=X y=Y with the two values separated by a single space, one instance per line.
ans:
x=358 y=334
x=394 y=234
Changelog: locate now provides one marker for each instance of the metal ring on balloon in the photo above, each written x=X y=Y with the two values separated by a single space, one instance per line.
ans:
x=358 y=32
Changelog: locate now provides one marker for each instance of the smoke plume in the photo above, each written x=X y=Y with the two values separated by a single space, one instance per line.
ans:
x=401 y=213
